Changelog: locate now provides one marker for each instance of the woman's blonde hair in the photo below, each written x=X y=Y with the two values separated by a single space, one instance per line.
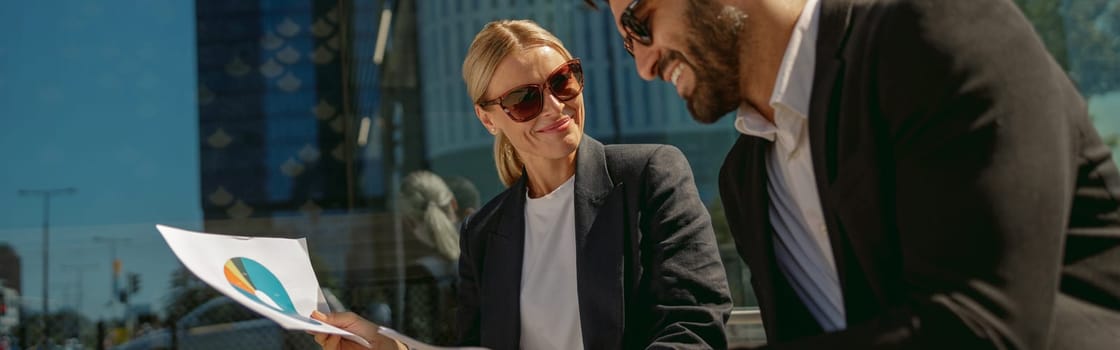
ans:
x=425 y=200
x=497 y=40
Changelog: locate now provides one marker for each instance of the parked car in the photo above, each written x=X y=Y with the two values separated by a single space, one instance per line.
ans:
x=222 y=323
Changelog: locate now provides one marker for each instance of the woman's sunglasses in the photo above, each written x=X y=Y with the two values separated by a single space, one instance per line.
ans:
x=525 y=102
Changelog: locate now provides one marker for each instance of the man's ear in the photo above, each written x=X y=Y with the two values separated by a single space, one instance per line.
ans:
x=485 y=119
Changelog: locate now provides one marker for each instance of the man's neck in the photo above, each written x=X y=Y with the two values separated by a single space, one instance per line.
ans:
x=765 y=38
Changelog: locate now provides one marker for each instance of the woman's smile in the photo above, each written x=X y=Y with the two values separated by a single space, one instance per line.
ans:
x=560 y=125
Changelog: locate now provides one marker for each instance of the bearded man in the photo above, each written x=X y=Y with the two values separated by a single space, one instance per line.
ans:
x=910 y=174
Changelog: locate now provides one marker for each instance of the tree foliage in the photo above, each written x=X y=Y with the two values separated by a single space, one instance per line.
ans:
x=1083 y=36
x=719 y=222
x=64 y=324
x=1094 y=40
x=186 y=293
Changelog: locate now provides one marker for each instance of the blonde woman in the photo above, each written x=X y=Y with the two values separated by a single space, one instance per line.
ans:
x=428 y=207
x=590 y=246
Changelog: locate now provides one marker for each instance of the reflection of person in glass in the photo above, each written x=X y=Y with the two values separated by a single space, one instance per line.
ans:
x=591 y=246
x=427 y=209
x=466 y=195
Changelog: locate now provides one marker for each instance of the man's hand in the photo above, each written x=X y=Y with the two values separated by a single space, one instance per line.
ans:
x=352 y=323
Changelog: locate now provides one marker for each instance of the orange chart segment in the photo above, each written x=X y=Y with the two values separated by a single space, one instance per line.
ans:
x=237 y=278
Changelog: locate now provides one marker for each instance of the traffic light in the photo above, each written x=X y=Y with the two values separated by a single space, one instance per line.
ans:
x=133 y=283
x=3 y=304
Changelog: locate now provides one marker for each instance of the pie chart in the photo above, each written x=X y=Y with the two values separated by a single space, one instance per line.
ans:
x=258 y=283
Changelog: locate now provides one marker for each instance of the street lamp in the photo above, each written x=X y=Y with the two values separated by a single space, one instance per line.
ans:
x=79 y=271
x=46 y=194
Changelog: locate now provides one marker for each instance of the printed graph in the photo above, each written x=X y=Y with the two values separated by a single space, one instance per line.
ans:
x=255 y=281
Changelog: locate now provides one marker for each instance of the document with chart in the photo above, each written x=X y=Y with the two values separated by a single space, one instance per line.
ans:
x=271 y=276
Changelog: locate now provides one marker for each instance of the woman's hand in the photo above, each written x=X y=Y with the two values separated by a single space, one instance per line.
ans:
x=352 y=323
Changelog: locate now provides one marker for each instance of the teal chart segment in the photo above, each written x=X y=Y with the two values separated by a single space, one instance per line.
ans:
x=258 y=283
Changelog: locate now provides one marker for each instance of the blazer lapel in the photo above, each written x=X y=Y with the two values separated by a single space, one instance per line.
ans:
x=599 y=249
x=744 y=186
x=501 y=282
x=832 y=33
x=846 y=193
x=823 y=108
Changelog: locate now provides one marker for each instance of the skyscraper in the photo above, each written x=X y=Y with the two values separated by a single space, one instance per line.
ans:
x=272 y=119
x=278 y=118
x=305 y=123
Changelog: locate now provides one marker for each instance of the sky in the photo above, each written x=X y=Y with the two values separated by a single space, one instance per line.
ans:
x=99 y=96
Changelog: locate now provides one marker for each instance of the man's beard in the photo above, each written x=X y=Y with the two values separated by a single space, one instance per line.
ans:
x=716 y=31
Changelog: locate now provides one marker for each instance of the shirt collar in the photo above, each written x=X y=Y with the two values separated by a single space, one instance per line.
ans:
x=750 y=122
x=794 y=85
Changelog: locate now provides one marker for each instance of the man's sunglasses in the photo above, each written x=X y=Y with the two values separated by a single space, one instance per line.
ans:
x=525 y=102
x=636 y=29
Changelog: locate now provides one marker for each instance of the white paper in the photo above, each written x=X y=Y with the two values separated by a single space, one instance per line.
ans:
x=271 y=276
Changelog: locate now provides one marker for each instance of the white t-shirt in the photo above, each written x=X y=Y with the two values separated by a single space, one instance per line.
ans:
x=549 y=297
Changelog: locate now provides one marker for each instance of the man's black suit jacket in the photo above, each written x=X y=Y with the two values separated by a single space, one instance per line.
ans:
x=648 y=268
x=969 y=201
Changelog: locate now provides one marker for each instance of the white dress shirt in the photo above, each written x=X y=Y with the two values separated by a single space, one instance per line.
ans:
x=801 y=243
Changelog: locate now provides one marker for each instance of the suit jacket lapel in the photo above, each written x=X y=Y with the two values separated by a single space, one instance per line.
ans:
x=832 y=33
x=844 y=192
x=501 y=284
x=823 y=107
x=744 y=186
x=599 y=248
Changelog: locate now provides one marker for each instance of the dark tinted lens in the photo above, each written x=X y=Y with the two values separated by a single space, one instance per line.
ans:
x=640 y=33
x=636 y=30
x=561 y=84
x=567 y=82
x=524 y=103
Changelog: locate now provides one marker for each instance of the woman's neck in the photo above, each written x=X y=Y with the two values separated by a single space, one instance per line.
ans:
x=546 y=175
